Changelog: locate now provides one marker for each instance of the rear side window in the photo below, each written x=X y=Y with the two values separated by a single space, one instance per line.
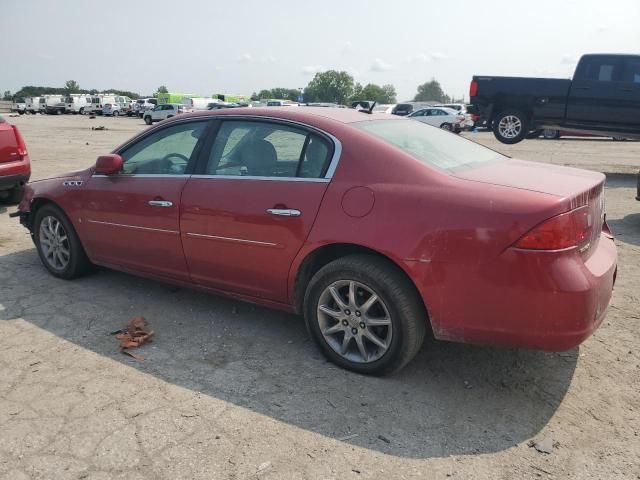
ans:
x=631 y=71
x=261 y=149
x=430 y=145
x=599 y=69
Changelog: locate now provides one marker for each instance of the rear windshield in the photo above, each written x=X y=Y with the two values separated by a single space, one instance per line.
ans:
x=430 y=145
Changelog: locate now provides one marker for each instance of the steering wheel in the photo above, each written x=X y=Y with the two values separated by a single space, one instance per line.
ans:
x=169 y=165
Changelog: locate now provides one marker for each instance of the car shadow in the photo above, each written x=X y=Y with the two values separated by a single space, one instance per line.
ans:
x=453 y=399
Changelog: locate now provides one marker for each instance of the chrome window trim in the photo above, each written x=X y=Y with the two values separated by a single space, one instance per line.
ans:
x=271 y=179
x=142 y=175
x=135 y=227
x=231 y=239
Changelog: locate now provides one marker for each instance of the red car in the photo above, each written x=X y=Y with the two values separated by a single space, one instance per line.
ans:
x=377 y=228
x=15 y=166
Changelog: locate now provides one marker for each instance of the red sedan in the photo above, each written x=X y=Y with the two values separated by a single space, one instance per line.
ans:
x=375 y=227
x=15 y=166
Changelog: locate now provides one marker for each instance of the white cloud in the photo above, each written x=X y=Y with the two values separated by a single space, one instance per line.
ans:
x=348 y=47
x=602 y=27
x=380 y=66
x=269 y=59
x=245 y=58
x=568 y=60
x=312 y=69
x=439 y=56
x=420 y=58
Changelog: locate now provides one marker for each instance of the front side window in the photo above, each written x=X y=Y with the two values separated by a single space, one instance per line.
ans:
x=165 y=152
x=599 y=70
x=631 y=71
x=261 y=149
x=430 y=145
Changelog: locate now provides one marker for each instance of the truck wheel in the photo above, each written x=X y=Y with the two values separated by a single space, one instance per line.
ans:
x=148 y=120
x=510 y=126
x=533 y=134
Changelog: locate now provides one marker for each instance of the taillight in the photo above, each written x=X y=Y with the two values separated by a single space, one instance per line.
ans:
x=570 y=229
x=22 y=147
x=473 y=88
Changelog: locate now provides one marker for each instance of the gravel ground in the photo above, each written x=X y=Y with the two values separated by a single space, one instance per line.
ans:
x=229 y=390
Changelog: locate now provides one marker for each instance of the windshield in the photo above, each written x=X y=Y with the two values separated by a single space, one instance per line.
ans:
x=430 y=145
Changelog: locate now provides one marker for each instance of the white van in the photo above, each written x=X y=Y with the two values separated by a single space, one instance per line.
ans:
x=32 y=104
x=197 y=103
x=78 y=103
x=52 y=104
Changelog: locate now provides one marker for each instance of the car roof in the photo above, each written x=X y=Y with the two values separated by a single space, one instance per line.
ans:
x=302 y=114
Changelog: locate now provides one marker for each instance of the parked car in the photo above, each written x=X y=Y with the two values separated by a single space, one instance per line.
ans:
x=384 y=108
x=15 y=166
x=193 y=104
x=462 y=109
x=376 y=228
x=19 y=105
x=444 y=118
x=53 y=104
x=141 y=105
x=32 y=104
x=111 y=109
x=362 y=104
x=603 y=99
x=402 y=109
x=163 y=111
x=220 y=105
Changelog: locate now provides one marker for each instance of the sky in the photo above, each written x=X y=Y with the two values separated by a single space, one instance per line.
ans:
x=215 y=46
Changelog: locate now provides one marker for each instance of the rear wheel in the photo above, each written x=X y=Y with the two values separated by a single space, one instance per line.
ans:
x=116 y=113
x=365 y=314
x=58 y=244
x=510 y=126
x=550 y=134
x=446 y=126
x=148 y=120
x=81 y=111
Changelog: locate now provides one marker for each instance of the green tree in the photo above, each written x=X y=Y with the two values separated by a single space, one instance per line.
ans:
x=285 y=93
x=265 y=94
x=330 y=86
x=7 y=95
x=431 y=91
x=390 y=93
x=71 y=86
x=163 y=89
x=254 y=97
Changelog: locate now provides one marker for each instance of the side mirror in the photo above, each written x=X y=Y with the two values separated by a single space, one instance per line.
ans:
x=109 y=164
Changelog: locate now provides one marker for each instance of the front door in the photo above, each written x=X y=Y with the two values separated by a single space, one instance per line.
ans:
x=594 y=97
x=131 y=219
x=248 y=213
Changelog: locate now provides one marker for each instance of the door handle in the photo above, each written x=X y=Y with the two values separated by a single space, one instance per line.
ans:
x=582 y=88
x=284 y=212
x=160 y=203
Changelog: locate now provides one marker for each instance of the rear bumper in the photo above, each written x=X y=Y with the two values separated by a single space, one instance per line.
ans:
x=10 y=181
x=542 y=300
x=14 y=173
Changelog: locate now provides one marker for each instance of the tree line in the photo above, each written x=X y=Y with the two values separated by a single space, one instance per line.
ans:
x=332 y=86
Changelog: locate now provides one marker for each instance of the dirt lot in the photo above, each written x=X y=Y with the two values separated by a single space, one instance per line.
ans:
x=228 y=390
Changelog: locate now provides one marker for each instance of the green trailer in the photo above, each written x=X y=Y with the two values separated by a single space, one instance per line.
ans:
x=173 y=97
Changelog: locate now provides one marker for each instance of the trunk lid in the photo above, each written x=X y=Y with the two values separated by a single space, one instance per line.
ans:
x=574 y=187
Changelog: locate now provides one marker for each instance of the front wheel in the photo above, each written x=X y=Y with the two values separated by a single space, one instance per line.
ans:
x=365 y=314
x=116 y=113
x=58 y=245
x=148 y=120
x=510 y=126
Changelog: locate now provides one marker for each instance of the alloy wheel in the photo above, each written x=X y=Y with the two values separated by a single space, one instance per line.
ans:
x=354 y=321
x=54 y=243
x=510 y=126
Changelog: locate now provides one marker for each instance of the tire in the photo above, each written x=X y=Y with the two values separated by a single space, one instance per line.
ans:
x=148 y=120
x=534 y=134
x=550 y=134
x=115 y=113
x=59 y=112
x=510 y=126
x=81 y=111
x=397 y=301
x=447 y=127
x=78 y=263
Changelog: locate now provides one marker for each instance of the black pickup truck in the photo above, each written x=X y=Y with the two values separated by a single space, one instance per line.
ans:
x=603 y=99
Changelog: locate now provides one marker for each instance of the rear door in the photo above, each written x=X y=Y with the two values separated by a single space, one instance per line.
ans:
x=131 y=219
x=249 y=211
x=595 y=98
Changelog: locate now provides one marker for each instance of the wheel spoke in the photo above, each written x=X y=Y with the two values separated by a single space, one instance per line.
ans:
x=362 y=348
x=330 y=312
x=377 y=322
x=345 y=342
x=334 y=329
x=352 y=293
x=375 y=339
x=336 y=297
x=369 y=303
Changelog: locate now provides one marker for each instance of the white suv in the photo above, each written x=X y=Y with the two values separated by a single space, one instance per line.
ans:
x=162 y=111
